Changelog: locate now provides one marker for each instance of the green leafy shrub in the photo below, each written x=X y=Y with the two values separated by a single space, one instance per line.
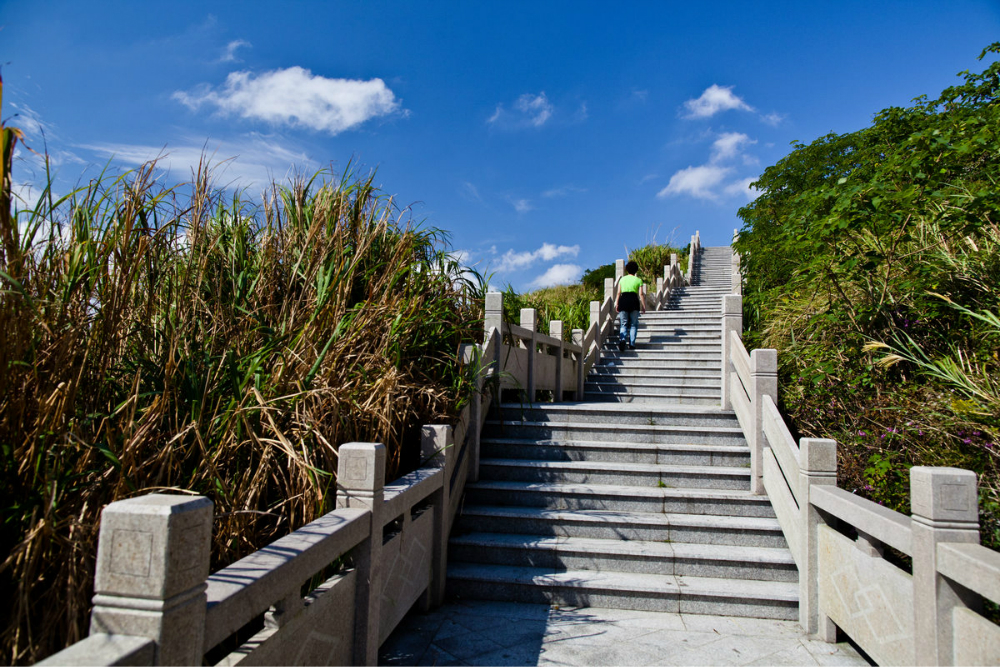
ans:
x=871 y=262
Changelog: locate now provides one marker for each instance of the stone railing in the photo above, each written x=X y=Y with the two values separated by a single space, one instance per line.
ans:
x=532 y=361
x=693 y=251
x=927 y=615
x=672 y=279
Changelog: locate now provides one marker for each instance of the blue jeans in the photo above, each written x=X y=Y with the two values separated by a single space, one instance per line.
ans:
x=628 y=326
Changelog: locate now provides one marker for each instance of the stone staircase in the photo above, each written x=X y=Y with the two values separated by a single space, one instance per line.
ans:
x=637 y=498
x=678 y=350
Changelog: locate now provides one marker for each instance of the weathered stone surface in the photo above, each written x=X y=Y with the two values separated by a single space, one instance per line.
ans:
x=869 y=598
x=977 y=641
x=105 y=649
x=152 y=560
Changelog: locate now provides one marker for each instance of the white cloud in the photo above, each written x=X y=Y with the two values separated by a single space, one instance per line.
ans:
x=521 y=205
x=563 y=191
x=773 y=119
x=715 y=99
x=742 y=187
x=730 y=145
x=296 y=97
x=558 y=274
x=253 y=161
x=229 y=55
x=528 y=111
x=537 y=108
x=696 y=181
x=512 y=261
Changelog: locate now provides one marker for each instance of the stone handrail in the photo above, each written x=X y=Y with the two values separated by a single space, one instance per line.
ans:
x=693 y=251
x=928 y=615
x=672 y=279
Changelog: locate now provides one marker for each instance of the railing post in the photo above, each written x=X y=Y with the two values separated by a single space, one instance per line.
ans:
x=595 y=319
x=817 y=466
x=732 y=320
x=437 y=443
x=763 y=382
x=945 y=507
x=660 y=296
x=474 y=432
x=556 y=331
x=153 y=555
x=529 y=320
x=493 y=312
x=737 y=277
x=619 y=270
x=361 y=483
x=609 y=289
x=581 y=364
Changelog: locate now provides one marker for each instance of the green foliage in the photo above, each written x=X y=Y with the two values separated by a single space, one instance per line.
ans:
x=885 y=240
x=593 y=279
x=569 y=304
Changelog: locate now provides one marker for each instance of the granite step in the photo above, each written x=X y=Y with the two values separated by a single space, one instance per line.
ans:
x=613 y=417
x=629 y=556
x=576 y=450
x=618 y=498
x=617 y=590
x=637 y=433
x=614 y=473
x=729 y=531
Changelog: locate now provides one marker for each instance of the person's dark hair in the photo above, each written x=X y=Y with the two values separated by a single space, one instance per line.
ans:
x=632 y=267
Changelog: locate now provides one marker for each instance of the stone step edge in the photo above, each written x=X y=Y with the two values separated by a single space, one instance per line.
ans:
x=622 y=583
x=612 y=466
x=716 y=430
x=590 y=406
x=697 y=448
x=631 y=492
x=638 y=519
x=643 y=549
x=598 y=517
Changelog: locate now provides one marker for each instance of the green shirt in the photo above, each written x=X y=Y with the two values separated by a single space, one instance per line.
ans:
x=629 y=283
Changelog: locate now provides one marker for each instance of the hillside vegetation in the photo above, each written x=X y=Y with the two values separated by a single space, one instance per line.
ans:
x=872 y=264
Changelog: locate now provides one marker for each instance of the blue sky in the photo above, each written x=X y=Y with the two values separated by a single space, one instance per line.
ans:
x=546 y=137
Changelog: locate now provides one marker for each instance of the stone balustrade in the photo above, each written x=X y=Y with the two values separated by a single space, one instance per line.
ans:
x=925 y=614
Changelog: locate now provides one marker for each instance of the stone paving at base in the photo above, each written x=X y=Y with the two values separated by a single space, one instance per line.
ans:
x=510 y=633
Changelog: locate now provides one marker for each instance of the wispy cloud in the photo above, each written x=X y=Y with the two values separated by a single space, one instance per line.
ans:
x=253 y=161
x=564 y=191
x=521 y=205
x=729 y=145
x=528 y=110
x=229 y=54
x=513 y=261
x=558 y=274
x=714 y=100
x=470 y=191
x=773 y=119
x=296 y=97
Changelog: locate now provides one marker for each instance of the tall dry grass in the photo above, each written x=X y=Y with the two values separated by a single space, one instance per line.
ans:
x=189 y=340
